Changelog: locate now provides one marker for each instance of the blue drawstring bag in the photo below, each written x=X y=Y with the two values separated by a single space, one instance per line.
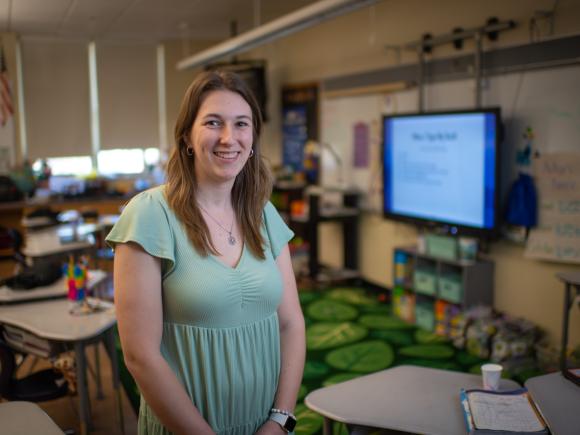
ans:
x=522 y=202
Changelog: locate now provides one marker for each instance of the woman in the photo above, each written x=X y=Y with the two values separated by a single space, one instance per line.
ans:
x=206 y=299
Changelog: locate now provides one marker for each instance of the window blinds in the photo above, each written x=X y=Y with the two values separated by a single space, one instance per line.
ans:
x=127 y=83
x=56 y=94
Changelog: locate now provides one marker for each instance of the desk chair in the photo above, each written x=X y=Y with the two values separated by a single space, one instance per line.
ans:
x=90 y=215
x=11 y=246
x=37 y=387
x=39 y=218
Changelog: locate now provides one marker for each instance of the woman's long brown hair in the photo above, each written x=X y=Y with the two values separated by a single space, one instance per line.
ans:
x=252 y=187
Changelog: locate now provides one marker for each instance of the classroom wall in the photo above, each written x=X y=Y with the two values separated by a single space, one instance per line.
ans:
x=355 y=43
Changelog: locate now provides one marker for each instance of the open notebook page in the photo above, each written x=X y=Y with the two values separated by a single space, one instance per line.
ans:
x=504 y=412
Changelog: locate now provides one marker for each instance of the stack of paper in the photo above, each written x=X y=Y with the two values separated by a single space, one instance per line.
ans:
x=497 y=413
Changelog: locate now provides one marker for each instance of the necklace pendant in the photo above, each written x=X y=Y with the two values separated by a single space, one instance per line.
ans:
x=231 y=240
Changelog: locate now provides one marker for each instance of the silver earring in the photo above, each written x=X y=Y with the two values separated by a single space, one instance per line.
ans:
x=251 y=152
x=189 y=151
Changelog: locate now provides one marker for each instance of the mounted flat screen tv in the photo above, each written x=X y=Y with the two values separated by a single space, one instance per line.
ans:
x=441 y=170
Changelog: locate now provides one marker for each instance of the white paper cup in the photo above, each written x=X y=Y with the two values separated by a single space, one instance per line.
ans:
x=491 y=374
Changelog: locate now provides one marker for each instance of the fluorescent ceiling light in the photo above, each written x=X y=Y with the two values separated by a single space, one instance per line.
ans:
x=283 y=26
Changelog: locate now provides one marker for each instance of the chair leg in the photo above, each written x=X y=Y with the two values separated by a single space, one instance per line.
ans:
x=109 y=340
x=82 y=388
x=33 y=364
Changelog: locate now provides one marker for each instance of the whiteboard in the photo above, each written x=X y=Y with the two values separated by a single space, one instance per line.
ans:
x=547 y=100
x=557 y=235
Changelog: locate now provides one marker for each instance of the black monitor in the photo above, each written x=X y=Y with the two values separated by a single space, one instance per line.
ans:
x=441 y=170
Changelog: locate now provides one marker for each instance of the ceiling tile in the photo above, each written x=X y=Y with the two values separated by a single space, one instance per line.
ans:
x=40 y=10
x=140 y=19
x=4 y=11
x=93 y=18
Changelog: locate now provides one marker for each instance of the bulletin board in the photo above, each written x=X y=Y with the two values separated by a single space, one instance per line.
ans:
x=547 y=100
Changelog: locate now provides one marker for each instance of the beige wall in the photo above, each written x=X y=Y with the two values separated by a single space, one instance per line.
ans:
x=529 y=288
x=355 y=42
x=177 y=82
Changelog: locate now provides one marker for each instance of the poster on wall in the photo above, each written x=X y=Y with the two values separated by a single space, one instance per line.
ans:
x=294 y=136
x=299 y=122
x=361 y=145
x=557 y=236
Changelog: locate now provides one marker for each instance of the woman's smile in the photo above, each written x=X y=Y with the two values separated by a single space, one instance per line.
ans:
x=227 y=155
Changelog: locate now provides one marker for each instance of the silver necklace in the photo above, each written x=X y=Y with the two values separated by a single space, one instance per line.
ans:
x=231 y=238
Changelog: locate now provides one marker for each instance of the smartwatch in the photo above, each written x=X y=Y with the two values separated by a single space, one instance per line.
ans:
x=288 y=422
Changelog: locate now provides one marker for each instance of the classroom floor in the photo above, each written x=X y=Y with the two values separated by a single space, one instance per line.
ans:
x=349 y=333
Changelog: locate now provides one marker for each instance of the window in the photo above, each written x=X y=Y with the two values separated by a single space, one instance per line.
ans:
x=79 y=166
x=121 y=161
x=152 y=156
x=56 y=98
x=110 y=162
x=61 y=86
x=127 y=94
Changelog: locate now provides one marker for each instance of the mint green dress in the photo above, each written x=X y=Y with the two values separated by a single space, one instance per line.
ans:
x=220 y=326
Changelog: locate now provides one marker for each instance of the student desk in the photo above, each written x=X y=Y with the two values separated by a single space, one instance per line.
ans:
x=51 y=320
x=25 y=418
x=61 y=239
x=56 y=290
x=558 y=400
x=405 y=399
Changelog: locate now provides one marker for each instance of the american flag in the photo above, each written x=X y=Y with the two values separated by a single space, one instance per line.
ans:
x=6 y=107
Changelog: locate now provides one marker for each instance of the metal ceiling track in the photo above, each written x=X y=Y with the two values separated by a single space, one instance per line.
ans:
x=298 y=20
x=426 y=45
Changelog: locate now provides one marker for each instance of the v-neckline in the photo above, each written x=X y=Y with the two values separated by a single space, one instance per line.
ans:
x=227 y=266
